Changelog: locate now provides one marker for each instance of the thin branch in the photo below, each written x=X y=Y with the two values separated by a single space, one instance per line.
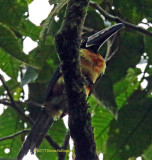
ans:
x=52 y=142
x=66 y=141
x=119 y=20
x=13 y=104
x=32 y=103
x=5 y=103
x=15 y=134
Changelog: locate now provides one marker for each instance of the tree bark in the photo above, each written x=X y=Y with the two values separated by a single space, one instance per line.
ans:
x=68 y=42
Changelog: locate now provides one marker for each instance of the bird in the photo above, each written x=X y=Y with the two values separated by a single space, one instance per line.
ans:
x=55 y=102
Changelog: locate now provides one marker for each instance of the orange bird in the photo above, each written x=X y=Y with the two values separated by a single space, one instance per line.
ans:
x=56 y=105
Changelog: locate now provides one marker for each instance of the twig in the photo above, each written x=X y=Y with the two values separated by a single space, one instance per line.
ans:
x=15 y=134
x=119 y=20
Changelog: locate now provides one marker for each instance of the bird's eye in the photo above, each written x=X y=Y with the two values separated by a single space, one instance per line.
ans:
x=82 y=41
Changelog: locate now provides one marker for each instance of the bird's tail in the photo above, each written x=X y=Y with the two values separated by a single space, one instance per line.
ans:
x=36 y=135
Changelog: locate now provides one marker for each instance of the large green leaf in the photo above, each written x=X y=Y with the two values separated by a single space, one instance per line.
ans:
x=12 y=11
x=131 y=134
x=10 y=45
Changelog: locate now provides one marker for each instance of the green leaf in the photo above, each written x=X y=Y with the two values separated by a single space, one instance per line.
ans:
x=12 y=11
x=131 y=134
x=10 y=45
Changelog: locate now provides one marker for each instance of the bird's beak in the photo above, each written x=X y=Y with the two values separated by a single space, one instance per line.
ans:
x=98 y=39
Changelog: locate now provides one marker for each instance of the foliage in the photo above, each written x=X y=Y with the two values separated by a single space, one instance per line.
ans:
x=120 y=107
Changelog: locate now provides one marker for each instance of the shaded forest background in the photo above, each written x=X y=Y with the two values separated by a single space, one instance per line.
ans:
x=121 y=106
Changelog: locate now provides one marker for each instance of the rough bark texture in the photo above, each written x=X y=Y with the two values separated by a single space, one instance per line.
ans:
x=68 y=41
